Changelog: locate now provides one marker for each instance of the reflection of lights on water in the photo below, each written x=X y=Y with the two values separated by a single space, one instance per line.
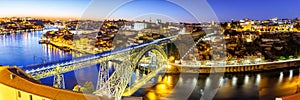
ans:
x=291 y=74
x=3 y=40
x=49 y=51
x=246 y=81
x=234 y=80
x=25 y=38
x=221 y=81
x=225 y=79
x=161 y=87
x=61 y=53
x=258 y=78
x=180 y=79
x=207 y=82
x=280 y=77
x=169 y=79
x=28 y=39
x=151 y=95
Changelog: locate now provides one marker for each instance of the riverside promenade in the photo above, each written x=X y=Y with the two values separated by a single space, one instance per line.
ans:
x=259 y=67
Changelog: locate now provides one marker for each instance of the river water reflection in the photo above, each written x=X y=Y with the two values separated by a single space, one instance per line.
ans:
x=248 y=86
x=22 y=49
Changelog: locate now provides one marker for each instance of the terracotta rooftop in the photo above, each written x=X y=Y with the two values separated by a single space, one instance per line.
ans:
x=18 y=79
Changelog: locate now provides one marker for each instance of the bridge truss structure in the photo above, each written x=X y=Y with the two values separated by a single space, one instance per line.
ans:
x=110 y=84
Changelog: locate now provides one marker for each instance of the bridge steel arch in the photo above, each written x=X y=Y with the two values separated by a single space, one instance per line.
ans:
x=142 y=52
x=113 y=86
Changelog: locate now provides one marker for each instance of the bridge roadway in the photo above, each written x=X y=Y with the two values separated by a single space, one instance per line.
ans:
x=66 y=64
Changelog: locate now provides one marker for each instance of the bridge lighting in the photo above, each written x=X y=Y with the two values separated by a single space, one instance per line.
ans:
x=43 y=68
x=48 y=67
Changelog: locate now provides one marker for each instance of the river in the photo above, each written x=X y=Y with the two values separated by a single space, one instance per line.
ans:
x=243 y=86
x=21 y=49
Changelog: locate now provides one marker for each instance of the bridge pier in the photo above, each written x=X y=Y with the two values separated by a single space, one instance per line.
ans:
x=103 y=75
x=59 y=81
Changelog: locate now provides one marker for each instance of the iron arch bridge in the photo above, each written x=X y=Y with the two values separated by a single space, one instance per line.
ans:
x=111 y=85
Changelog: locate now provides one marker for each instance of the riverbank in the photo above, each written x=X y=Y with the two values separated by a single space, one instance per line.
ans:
x=265 y=66
x=64 y=40
x=19 y=31
x=66 y=47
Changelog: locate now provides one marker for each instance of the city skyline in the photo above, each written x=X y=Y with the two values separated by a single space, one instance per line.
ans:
x=171 y=10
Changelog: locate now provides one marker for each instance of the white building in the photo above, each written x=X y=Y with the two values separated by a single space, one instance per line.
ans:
x=139 y=26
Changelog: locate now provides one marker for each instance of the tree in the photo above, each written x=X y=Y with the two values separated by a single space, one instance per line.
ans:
x=282 y=58
x=76 y=88
x=88 y=88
